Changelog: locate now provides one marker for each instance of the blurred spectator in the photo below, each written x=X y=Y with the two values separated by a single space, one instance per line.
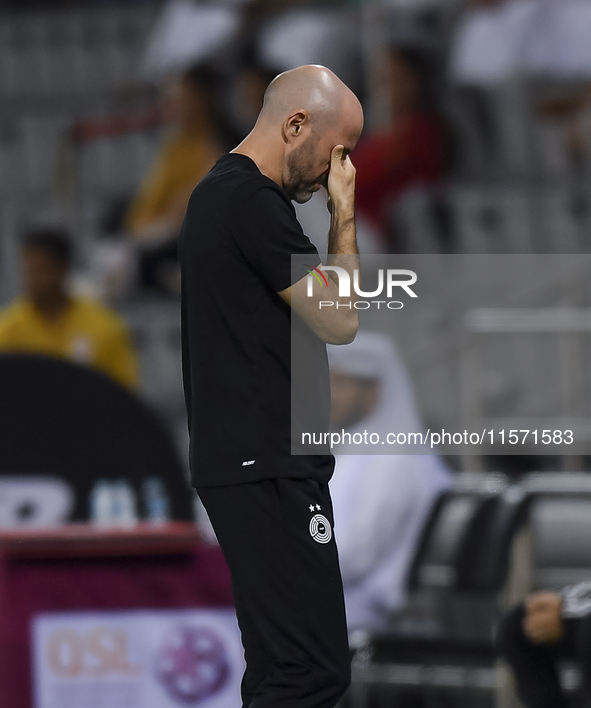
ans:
x=187 y=32
x=490 y=38
x=380 y=501
x=545 y=628
x=499 y=39
x=248 y=91
x=570 y=109
x=191 y=150
x=313 y=34
x=412 y=151
x=49 y=320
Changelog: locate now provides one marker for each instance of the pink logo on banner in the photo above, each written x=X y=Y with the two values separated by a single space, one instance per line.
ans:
x=192 y=663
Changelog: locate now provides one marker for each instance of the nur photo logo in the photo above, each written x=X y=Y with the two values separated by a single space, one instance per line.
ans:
x=387 y=280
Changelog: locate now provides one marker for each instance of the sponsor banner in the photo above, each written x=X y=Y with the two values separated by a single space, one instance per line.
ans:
x=139 y=659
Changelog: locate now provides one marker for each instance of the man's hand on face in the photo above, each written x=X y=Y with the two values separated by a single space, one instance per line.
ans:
x=341 y=182
x=543 y=621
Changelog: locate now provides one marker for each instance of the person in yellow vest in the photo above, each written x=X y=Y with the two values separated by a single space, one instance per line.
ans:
x=196 y=140
x=48 y=320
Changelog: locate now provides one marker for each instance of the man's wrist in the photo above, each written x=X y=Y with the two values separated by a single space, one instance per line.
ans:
x=343 y=212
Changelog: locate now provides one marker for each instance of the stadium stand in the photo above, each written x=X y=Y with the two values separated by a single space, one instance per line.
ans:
x=513 y=187
x=487 y=544
x=443 y=639
x=59 y=67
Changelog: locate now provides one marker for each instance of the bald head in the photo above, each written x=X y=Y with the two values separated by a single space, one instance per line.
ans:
x=307 y=112
x=313 y=89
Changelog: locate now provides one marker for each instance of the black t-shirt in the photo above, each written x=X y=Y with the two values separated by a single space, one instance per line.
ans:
x=235 y=252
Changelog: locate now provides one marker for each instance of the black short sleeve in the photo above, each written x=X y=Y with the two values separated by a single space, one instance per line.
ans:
x=268 y=234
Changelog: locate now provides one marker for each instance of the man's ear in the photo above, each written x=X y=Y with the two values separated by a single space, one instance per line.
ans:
x=295 y=125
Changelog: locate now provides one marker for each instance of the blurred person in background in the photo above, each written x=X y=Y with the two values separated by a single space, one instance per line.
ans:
x=190 y=151
x=499 y=42
x=411 y=151
x=535 y=634
x=49 y=320
x=380 y=501
x=248 y=91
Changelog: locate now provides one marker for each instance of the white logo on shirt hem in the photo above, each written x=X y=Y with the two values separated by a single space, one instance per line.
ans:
x=248 y=462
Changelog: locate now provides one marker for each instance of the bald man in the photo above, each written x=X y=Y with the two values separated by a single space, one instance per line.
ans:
x=271 y=511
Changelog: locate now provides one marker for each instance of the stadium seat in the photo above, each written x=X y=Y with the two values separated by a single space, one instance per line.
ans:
x=443 y=640
x=560 y=526
x=559 y=540
x=420 y=221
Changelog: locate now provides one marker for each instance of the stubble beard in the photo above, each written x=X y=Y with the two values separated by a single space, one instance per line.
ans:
x=300 y=182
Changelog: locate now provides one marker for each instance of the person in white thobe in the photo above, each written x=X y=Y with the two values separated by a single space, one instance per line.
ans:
x=380 y=501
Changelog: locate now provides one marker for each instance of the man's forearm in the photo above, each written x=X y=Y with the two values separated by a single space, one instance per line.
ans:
x=342 y=243
x=343 y=253
x=342 y=236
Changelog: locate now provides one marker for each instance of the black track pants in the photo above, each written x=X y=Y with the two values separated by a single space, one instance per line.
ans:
x=277 y=538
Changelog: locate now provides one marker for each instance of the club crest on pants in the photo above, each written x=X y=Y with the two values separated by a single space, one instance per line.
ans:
x=320 y=528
